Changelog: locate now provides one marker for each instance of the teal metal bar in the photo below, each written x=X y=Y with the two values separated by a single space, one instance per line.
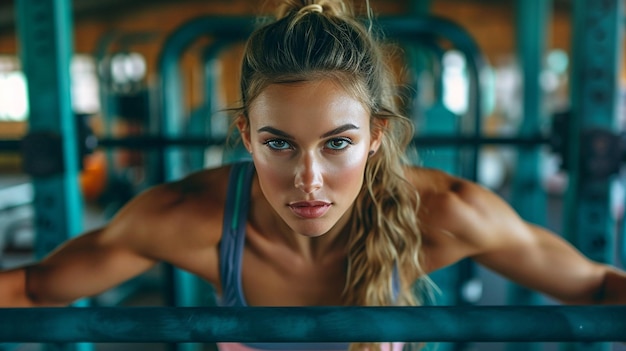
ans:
x=528 y=197
x=44 y=30
x=594 y=78
x=313 y=324
x=594 y=89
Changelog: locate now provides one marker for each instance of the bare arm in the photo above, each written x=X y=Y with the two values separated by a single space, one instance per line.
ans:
x=482 y=226
x=82 y=267
x=179 y=223
x=88 y=264
x=549 y=264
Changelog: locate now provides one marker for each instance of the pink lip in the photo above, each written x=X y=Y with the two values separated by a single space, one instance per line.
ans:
x=309 y=209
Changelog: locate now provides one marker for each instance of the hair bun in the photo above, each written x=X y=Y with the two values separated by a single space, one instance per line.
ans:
x=312 y=8
x=336 y=8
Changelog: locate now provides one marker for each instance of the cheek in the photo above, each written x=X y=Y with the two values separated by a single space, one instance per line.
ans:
x=273 y=175
x=348 y=174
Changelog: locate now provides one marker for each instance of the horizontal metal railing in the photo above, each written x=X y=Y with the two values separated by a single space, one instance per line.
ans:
x=314 y=324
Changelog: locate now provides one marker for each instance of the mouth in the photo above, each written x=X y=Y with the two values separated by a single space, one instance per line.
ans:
x=309 y=209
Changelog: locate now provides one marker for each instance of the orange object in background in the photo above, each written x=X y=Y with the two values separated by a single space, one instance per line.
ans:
x=93 y=177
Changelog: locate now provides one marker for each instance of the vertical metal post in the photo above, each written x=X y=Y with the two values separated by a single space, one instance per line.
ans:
x=182 y=285
x=594 y=95
x=44 y=30
x=594 y=103
x=527 y=196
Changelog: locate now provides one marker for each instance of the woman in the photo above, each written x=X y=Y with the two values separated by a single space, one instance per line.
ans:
x=328 y=212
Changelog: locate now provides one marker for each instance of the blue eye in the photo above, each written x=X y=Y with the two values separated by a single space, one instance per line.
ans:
x=338 y=143
x=278 y=144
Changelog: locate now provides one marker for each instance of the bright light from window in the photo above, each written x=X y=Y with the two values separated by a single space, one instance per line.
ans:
x=128 y=68
x=13 y=96
x=85 y=86
x=14 y=93
x=455 y=82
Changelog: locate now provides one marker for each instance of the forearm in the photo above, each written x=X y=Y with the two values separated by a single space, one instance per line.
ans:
x=13 y=291
x=16 y=290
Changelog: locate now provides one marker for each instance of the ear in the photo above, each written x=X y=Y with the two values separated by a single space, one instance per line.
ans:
x=378 y=127
x=244 y=131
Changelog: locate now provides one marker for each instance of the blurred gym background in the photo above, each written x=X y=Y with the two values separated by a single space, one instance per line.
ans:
x=503 y=89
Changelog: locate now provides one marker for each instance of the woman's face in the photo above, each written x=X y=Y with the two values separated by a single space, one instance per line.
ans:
x=310 y=143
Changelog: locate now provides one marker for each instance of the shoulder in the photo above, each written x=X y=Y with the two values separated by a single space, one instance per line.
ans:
x=164 y=212
x=446 y=202
x=461 y=216
x=196 y=192
x=441 y=191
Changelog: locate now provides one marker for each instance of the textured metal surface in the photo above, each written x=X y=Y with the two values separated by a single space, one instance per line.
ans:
x=314 y=324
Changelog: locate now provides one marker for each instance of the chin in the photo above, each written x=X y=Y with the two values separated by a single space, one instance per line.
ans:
x=311 y=232
x=310 y=228
x=311 y=235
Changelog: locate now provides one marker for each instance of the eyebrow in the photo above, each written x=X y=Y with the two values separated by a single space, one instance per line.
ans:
x=335 y=131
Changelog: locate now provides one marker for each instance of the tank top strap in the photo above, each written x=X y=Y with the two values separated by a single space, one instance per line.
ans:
x=234 y=233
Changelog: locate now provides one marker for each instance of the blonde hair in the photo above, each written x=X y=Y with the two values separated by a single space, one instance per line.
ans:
x=322 y=39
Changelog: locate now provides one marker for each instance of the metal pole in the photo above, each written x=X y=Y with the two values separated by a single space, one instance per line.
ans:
x=314 y=324
x=528 y=197
x=597 y=38
x=45 y=35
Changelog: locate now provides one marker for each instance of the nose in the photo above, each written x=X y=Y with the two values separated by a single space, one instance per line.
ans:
x=308 y=177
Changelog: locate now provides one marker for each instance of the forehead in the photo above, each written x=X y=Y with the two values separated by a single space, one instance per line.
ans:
x=307 y=101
